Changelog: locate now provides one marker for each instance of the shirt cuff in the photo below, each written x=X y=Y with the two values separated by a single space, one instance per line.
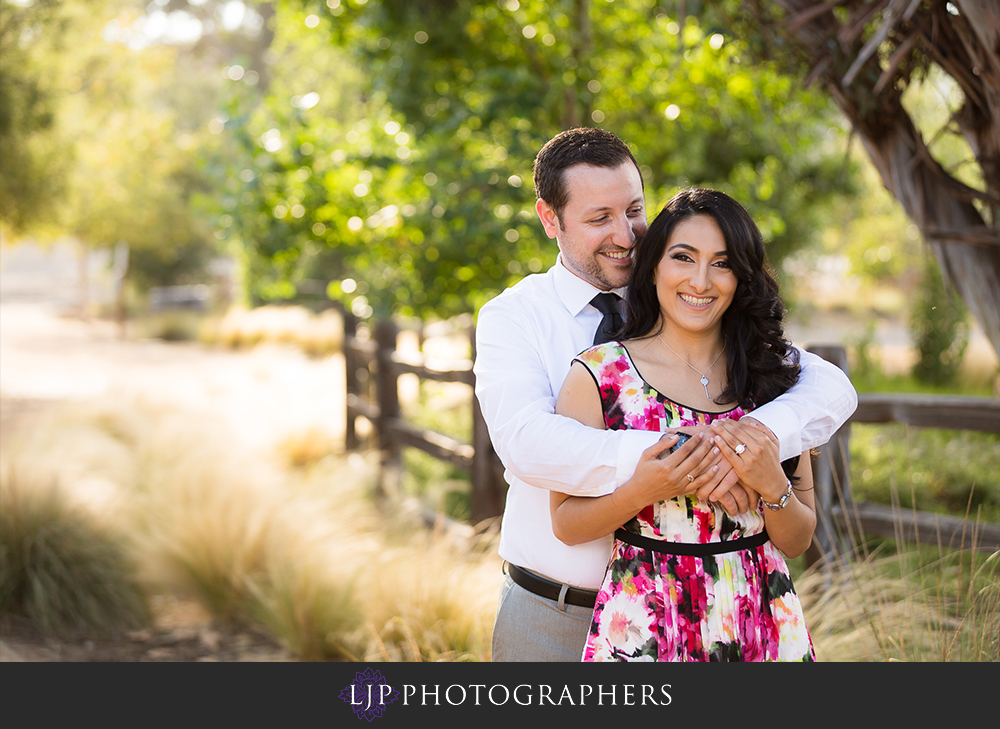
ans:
x=783 y=421
x=634 y=442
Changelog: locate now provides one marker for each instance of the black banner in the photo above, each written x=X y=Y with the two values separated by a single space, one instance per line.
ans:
x=383 y=695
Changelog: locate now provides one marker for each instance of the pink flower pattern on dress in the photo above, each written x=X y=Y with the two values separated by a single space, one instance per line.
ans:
x=654 y=606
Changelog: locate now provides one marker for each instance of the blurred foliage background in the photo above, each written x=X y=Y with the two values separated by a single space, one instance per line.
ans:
x=378 y=152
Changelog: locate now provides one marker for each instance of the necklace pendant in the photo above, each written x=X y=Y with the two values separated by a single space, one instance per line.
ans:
x=704 y=375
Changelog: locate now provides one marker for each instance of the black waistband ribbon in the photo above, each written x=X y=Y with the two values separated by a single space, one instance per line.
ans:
x=686 y=548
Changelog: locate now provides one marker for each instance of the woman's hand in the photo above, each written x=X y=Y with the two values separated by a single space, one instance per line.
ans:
x=718 y=483
x=753 y=453
x=662 y=475
x=577 y=519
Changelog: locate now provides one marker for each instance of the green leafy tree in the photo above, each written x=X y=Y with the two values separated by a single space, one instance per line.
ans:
x=275 y=156
x=33 y=157
x=101 y=121
x=416 y=189
x=135 y=167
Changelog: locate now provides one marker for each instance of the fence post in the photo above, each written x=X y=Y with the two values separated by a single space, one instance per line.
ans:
x=832 y=481
x=387 y=394
x=489 y=490
x=351 y=383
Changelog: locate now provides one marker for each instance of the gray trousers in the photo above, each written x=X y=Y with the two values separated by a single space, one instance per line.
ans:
x=533 y=628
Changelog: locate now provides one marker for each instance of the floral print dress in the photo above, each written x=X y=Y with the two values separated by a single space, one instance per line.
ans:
x=660 y=605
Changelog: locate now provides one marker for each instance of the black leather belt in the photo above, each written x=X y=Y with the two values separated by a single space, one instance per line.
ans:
x=549 y=589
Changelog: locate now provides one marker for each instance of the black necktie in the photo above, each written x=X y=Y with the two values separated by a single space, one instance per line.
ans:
x=607 y=304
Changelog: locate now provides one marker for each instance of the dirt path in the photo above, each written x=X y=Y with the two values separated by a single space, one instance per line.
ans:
x=47 y=357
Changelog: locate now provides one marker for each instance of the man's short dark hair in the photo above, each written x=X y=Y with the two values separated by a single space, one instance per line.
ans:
x=597 y=147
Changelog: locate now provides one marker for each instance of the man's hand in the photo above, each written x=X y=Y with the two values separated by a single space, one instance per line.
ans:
x=725 y=489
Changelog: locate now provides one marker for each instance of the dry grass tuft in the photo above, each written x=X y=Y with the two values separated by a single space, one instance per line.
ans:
x=905 y=606
x=308 y=447
x=426 y=601
x=316 y=334
x=256 y=545
x=60 y=568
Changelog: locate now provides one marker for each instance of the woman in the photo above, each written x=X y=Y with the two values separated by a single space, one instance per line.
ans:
x=702 y=346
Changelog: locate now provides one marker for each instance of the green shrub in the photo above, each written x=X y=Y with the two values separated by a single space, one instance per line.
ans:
x=930 y=469
x=939 y=325
x=865 y=366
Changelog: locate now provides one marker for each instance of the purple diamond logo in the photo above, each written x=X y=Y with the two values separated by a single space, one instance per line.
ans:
x=369 y=694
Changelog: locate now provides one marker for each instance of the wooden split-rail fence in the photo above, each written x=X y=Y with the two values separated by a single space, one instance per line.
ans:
x=374 y=366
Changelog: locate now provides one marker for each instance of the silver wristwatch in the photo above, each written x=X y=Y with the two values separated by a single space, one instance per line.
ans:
x=782 y=502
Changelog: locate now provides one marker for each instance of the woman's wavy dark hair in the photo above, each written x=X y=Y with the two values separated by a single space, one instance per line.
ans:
x=761 y=363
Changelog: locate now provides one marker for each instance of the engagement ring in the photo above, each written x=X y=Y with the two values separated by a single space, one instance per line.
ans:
x=740 y=448
x=690 y=477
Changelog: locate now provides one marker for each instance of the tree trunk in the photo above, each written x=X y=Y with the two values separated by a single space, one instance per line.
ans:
x=947 y=219
x=577 y=111
x=866 y=75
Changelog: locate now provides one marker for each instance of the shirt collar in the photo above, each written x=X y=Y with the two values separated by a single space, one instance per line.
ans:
x=573 y=291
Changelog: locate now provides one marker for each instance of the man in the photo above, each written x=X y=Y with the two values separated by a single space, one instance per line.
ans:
x=590 y=199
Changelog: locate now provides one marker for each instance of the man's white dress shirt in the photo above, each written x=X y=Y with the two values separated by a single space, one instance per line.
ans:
x=526 y=339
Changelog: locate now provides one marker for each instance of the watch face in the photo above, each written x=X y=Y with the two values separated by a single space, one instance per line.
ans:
x=682 y=438
x=782 y=501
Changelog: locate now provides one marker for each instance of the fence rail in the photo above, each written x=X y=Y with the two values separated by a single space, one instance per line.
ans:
x=374 y=365
x=842 y=519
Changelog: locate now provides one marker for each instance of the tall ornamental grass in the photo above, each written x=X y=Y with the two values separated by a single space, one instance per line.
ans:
x=293 y=549
x=914 y=604
x=152 y=501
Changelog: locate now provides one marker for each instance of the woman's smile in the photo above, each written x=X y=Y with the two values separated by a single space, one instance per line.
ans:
x=697 y=301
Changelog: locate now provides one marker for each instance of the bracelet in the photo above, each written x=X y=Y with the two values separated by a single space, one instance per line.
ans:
x=782 y=502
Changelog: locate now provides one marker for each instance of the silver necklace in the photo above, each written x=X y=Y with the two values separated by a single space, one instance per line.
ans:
x=704 y=375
